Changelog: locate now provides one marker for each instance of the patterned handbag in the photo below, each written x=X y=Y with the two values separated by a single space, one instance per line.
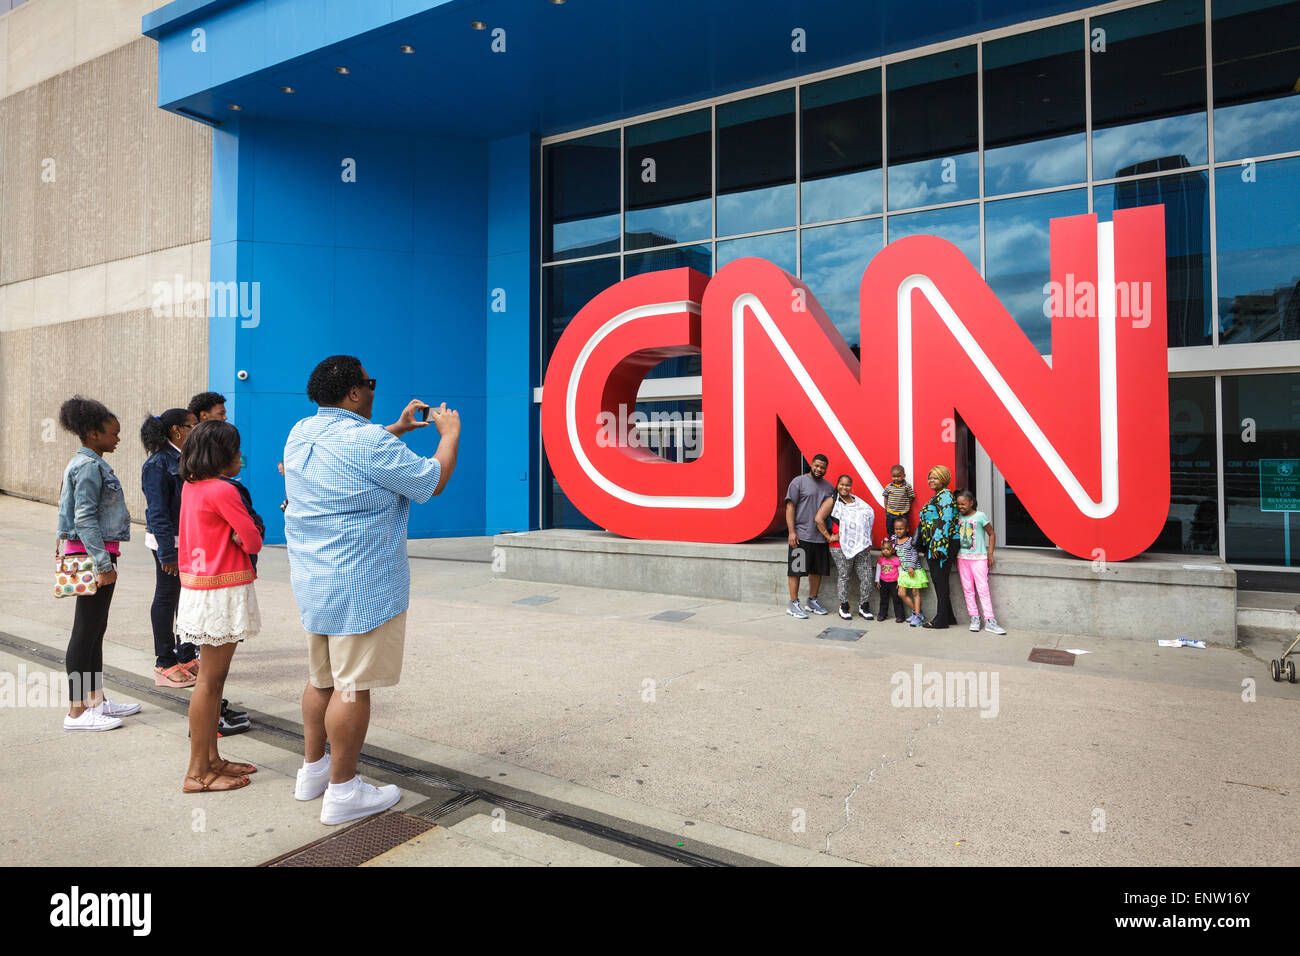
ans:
x=74 y=574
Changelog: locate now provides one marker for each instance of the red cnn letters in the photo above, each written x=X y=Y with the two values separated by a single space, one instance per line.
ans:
x=1084 y=441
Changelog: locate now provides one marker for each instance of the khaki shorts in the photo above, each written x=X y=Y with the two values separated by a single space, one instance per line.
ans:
x=358 y=661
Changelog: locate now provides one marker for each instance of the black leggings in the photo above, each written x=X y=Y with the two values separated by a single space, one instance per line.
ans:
x=85 y=657
x=939 y=568
x=889 y=596
x=166 y=596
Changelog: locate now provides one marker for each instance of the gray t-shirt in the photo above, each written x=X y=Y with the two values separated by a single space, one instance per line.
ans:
x=808 y=493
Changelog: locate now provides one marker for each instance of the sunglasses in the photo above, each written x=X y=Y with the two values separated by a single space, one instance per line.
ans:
x=370 y=383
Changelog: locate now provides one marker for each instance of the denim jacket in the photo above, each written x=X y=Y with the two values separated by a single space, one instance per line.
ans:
x=92 y=508
x=160 y=476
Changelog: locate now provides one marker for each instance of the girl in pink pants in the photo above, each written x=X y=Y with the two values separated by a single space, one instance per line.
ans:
x=974 y=560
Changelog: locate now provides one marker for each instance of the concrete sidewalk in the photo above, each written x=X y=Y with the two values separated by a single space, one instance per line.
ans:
x=737 y=729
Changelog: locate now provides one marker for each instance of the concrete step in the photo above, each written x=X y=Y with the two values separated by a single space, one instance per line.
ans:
x=1268 y=613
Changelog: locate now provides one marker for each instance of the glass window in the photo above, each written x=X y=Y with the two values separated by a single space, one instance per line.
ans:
x=1148 y=89
x=959 y=225
x=834 y=258
x=1256 y=93
x=673 y=430
x=1034 y=110
x=581 y=203
x=1193 y=524
x=669 y=183
x=566 y=289
x=1187 y=241
x=1261 y=468
x=699 y=258
x=1017 y=255
x=840 y=138
x=778 y=247
x=933 y=129
x=1258 y=237
x=756 y=188
x=1022 y=532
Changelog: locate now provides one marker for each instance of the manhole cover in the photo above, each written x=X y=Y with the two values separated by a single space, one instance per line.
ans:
x=1047 y=655
x=673 y=616
x=841 y=634
x=358 y=843
x=536 y=599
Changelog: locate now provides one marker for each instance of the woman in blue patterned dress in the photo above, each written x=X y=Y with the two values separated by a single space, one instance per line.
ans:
x=938 y=539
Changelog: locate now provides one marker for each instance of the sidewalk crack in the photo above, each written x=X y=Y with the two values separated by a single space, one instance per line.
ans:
x=909 y=749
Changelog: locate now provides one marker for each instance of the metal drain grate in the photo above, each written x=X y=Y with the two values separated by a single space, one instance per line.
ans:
x=358 y=843
x=535 y=599
x=1047 y=655
x=673 y=616
x=841 y=634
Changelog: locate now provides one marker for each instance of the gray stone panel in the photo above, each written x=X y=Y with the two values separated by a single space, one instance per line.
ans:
x=135 y=363
x=130 y=178
x=1150 y=597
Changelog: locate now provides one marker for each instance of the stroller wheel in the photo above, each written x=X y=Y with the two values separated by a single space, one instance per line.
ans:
x=1290 y=671
x=1275 y=669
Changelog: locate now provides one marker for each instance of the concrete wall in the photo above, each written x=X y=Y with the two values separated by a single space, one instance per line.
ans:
x=102 y=196
x=1144 y=598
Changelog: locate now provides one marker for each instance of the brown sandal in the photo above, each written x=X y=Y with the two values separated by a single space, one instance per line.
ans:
x=206 y=786
x=234 y=768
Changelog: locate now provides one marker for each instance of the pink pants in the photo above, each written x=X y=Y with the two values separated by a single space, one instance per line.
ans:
x=975 y=577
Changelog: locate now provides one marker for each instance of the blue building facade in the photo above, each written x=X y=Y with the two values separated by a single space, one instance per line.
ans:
x=436 y=187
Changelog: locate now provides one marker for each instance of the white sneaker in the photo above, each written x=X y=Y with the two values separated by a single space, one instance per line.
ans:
x=363 y=801
x=111 y=708
x=993 y=627
x=975 y=624
x=91 y=719
x=311 y=784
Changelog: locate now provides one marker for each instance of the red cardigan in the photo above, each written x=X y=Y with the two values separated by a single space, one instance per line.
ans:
x=210 y=510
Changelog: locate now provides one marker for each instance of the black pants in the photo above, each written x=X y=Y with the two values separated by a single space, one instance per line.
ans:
x=85 y=658
x=888 y=595
x=166 y=596
x=943 y=616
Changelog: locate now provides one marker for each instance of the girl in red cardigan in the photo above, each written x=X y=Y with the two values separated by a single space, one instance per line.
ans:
x=218 y=605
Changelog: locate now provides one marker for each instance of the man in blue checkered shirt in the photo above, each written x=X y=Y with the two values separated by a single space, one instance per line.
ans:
x=350 y=484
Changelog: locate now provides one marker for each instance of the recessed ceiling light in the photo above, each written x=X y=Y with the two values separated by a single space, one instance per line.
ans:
x=234 y=106
x=341 y=69
x=287 y=89
x=406 y=48
x=477 y=25
x=557 y=2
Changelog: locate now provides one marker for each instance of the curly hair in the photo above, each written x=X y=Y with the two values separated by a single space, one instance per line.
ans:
x=81 y=415
x=212 y=447
x=156 y=431
x=204 y=401
x=333 y=378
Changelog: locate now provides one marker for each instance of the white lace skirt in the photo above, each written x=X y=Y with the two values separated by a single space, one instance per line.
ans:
x=218 y=615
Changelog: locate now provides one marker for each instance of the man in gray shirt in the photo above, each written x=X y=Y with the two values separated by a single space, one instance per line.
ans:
x=809 y=552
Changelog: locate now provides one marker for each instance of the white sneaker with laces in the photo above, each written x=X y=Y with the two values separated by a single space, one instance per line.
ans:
x=311 y=784
x=363 y=801
x=993 y=627
x=111 y=708
x=91 y=719
x=975 y=624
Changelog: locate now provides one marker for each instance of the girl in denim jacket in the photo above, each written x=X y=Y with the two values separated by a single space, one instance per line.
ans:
x=92 y=520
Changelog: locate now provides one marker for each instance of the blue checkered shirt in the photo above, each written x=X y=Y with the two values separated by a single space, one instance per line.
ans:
x=350 y=485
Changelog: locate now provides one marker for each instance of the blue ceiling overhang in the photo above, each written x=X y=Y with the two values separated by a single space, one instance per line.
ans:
x=565 y=66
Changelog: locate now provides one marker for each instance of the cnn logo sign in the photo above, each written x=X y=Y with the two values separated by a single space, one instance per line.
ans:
x=1084 y=440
